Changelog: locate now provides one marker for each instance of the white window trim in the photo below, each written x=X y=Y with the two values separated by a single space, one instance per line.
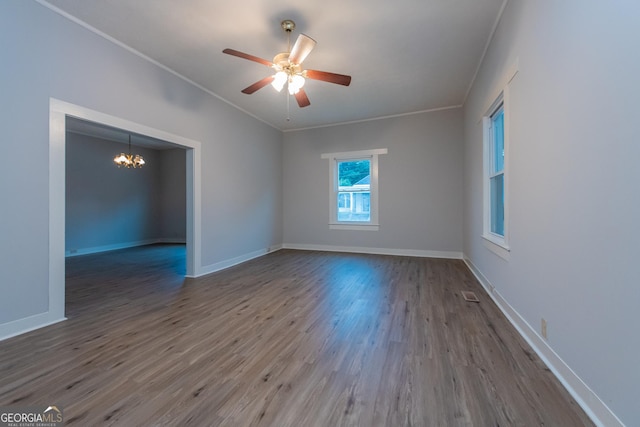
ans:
x=334 y=158
x=487 y=234
x=492 y=241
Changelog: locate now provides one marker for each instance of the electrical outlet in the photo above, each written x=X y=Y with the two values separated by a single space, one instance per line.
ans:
x=543 y=328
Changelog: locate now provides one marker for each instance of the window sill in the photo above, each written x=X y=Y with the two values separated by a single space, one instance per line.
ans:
x=354 y=226
x=497 y=246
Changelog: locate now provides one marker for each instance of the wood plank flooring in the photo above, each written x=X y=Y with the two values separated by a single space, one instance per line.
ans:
x=294 y=338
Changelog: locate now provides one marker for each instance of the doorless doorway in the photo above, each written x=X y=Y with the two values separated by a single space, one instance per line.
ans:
x=58 y=112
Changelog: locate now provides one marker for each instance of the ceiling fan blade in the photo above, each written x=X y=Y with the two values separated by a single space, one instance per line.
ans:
x=302 y=98
x=247 y=56
x=258 y=85
x=340 y=79
x=303 y=47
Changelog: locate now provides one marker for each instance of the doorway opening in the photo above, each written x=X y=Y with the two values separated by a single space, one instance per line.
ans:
x=59 y=112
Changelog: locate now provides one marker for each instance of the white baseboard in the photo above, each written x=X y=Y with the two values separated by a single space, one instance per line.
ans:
x=212 y=268
x=27 y=324
x=274 y=248
x=594 y=407
x=116 y=246
x=375 y=251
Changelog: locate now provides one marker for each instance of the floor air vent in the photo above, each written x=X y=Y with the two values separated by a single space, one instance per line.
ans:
x=470 y=296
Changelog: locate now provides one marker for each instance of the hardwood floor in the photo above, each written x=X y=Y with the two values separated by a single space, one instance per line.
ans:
x=294 y=338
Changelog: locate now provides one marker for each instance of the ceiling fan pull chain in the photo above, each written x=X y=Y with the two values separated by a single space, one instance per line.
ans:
x=288 y=118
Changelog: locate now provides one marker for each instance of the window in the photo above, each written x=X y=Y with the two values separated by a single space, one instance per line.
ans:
x=354 y=185
x=353 y=194
x=496 y=141
x=495 y=178
x=496 y=172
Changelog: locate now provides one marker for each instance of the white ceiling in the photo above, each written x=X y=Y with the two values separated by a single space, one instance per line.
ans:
x=404 y=56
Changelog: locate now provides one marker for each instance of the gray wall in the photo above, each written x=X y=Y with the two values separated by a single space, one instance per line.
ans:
x=420 y=183
x=109 y=208
x=574 y=193
x=173 y=196
x=45 y=55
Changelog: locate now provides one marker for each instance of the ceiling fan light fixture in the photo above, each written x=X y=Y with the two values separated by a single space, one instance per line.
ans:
x=295 y=84
x=279 y=80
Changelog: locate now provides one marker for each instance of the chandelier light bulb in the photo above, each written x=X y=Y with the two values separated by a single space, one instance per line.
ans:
x=128 y=160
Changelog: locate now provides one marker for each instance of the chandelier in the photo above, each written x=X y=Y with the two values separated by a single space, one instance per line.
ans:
x=129 y=160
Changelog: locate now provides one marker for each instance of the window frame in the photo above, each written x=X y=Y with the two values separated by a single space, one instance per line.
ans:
x=502 y=241
x=501 y=99
x=492 y=170
x=335 y=158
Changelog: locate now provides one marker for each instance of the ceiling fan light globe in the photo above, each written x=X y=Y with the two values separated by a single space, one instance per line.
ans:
x=279 y=80
x=295 y=84
x=298 y=81
x=278 y=85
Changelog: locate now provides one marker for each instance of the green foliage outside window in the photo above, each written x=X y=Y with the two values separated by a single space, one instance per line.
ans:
x=349 y=173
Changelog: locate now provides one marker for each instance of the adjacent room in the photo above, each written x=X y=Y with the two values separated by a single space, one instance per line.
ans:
x=107 y=207
x=320 y=192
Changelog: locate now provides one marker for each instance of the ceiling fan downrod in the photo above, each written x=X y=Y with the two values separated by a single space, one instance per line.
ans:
x=288 y=26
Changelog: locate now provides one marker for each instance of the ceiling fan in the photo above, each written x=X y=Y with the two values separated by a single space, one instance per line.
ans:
x=288 y=68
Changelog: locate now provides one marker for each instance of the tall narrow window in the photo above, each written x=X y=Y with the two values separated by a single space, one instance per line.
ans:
x=353 y=195
x=496 y=174
x=496 y=167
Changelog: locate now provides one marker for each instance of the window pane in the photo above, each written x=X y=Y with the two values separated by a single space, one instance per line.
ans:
x=498 y=140
x=366 y=202
x=354 y=173
x=358 y=210
x=344 y=201
x=497 y=204
x=354 y=196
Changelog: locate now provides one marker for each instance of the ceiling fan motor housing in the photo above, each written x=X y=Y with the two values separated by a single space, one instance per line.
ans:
x=281 y=62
